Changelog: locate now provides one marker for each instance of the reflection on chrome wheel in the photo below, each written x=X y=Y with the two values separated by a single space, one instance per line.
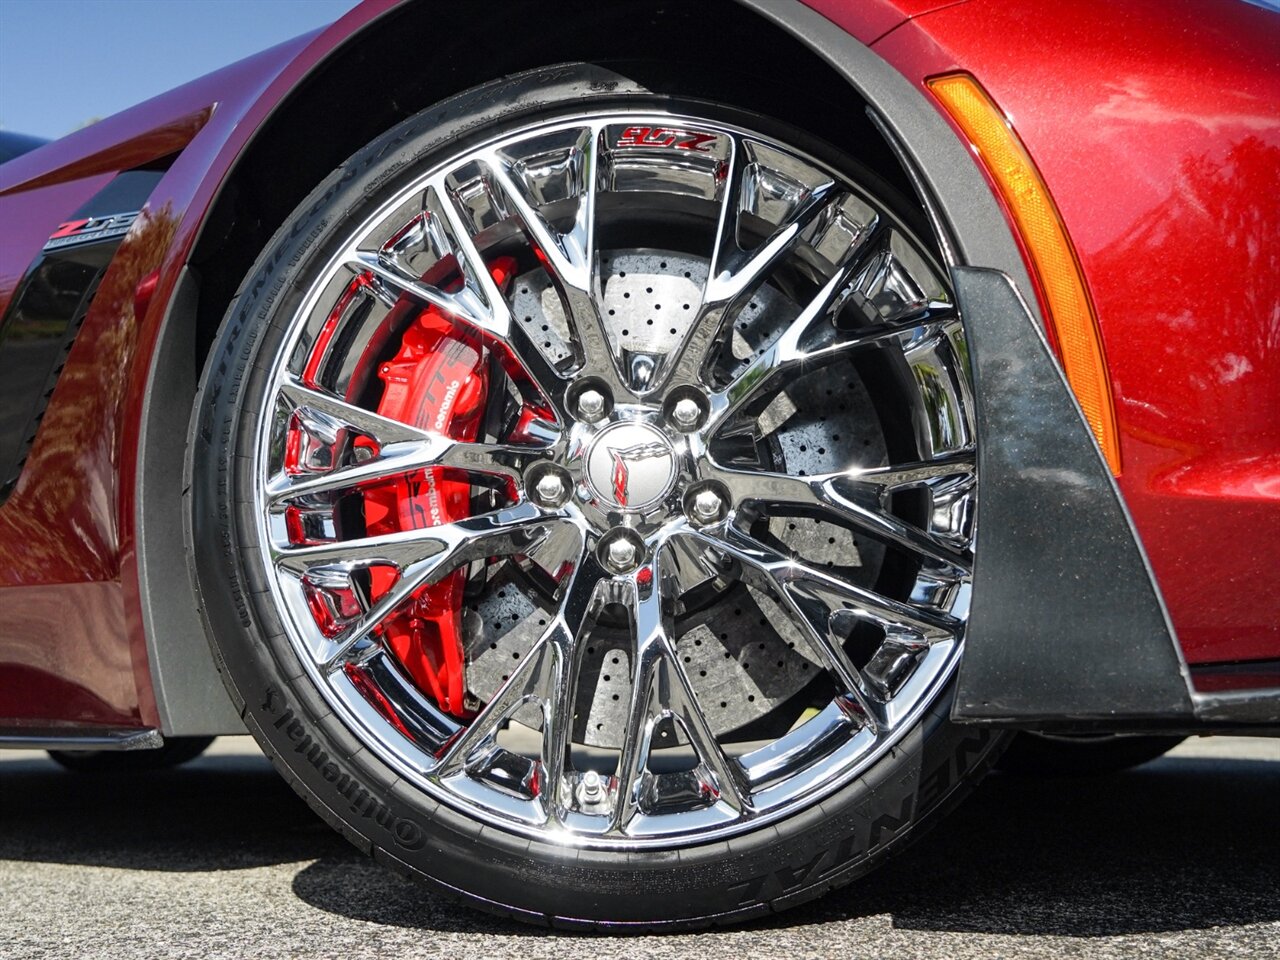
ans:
x=607 y=479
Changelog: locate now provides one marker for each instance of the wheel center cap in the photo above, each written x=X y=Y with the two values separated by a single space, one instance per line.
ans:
x=630 y=465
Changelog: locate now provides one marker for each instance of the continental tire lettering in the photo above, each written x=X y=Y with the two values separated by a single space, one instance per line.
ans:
x=361 y=802
x=827 y=864
x=748 y=892
x=887 y=821
x=969 y=750
x=794 y=879
x=937 y=784
x=844 y=854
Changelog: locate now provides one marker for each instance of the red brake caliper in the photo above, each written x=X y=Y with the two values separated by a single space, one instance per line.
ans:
x=437 y=381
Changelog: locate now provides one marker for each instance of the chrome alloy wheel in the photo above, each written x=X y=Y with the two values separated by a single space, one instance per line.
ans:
x=714 y=552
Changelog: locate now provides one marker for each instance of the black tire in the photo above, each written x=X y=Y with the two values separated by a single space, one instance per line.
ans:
x=1061 y=756
x=826 y=845
x=176 y=751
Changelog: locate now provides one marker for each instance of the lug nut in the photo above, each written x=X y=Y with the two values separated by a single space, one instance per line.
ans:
x=592 y=788
x=622 y=554
x=550 y=489
x=686 y=414
x=621 y=551
x=591 y=405
x=707 y=507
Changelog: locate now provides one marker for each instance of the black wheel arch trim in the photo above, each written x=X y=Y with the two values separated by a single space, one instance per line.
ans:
x=190 y=696
x=1067 y=622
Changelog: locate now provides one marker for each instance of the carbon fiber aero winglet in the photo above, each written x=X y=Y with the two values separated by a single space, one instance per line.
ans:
x=1066 y=624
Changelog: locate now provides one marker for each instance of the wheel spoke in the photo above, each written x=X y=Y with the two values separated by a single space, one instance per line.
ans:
x=811 y=598
x=547 y=675
x=812 y=608
x=660 y=689
x=736 y=274
x=794 y=348
x=458 y=308
x=814 y=598
x=569 y=258
x=569 y=254
x=479 y=305
x=403 y=549
x=342 y=414
x=401 y=448
x=783 y=357
x=478 y=287
x=858 y=601
x=947 y=467
x=857 y=498
x=420 y=556
x=566 y=633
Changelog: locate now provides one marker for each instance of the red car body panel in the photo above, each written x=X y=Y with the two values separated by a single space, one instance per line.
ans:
x=1158 y=183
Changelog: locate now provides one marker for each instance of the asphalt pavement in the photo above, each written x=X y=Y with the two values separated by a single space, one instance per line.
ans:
x=1180 y=858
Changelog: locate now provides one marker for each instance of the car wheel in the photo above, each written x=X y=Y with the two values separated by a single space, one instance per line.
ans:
x=174 y=752
x=1064 y=755
x=582 y=506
